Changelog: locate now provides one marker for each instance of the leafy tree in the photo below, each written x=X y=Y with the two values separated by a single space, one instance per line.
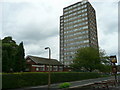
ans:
x=10 y=54
x=87 y=59
x=104 y=58
x=8 y=40
x=105 y=62
x=5 y=65
x=105 y=68
x=20 y=61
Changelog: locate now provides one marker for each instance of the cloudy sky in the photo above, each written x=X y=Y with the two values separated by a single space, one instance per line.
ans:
x=36 y=23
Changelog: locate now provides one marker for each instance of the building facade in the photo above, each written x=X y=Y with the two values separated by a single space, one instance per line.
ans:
x=39 y=64
x=78 y=29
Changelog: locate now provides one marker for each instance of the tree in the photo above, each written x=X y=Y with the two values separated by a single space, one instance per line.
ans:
x=105 y=62
x=87 y=59
x=11 y=55
x=20 y=61
x=104 y=58
x=105 y=68
x=8 y=52
x=5 y=62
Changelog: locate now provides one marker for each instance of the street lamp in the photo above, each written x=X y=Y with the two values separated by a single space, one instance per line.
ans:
x=113 y=60
x=49 y=68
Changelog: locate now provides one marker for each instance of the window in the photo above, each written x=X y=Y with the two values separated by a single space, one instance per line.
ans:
x=75 y=25
x=42 y=67
x=86 y=31
x=70 y=11
x=79 y=11
x=37 y=69
x=66 y=13
x=70 y=7
x=85 y=9
x=70 y=56
x=86 y=22
x=85 y=27
x=65 y=9
x=61 y=20
x=86 y=41
x=61 y=17
x=28 y=60
x=85 y=13
x=71 y=61
x=50 y=68
x=86 y=18
x=55 y=68
x=60 y=68
x=85 y=1
x=87 y=45
x=79 y=4
x=85 y=5
x=47 y=68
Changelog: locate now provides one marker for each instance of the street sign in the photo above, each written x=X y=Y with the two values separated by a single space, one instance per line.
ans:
x=114 y=69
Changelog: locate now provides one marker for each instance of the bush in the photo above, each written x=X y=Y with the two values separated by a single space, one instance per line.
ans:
x=26 y=79
x=64 y=85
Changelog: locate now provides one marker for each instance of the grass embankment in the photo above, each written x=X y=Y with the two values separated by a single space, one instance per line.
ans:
x=25 y=79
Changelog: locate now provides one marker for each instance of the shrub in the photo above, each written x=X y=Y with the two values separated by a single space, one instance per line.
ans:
x=64 y=85
x=26 y=79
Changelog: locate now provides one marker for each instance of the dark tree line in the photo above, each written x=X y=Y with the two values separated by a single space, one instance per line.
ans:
x=12 y=56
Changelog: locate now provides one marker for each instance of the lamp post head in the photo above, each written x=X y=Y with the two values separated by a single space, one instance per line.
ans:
x=49 y=51
x=113 y=59
x=47 y=48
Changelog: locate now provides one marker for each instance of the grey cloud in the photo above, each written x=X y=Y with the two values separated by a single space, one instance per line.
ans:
x=107 y=23
x=37 y=25
x=28 y=28
x=37 y=48
x=119 y=32
x=34 y=33
x=105 y=19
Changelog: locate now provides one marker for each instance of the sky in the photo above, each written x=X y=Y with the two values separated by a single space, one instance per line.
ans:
x=36 y=23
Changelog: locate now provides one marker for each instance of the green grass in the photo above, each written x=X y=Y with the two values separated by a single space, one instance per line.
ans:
x=64 y=85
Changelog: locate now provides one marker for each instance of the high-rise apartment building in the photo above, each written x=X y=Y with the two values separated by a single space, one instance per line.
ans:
x=77 y=29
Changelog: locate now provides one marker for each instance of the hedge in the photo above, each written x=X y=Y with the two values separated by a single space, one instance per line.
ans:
x=19 y=80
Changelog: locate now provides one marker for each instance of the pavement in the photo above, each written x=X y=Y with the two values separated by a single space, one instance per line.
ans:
x=75 y=85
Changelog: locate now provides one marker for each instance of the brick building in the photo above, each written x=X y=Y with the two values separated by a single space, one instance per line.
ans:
x=78 y=29
x=39 y=64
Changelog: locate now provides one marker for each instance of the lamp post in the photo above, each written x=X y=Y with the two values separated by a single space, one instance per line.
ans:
x=114 y=67
x=49 y=68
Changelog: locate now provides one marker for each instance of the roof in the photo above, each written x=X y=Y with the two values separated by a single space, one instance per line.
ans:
x=41 y=60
